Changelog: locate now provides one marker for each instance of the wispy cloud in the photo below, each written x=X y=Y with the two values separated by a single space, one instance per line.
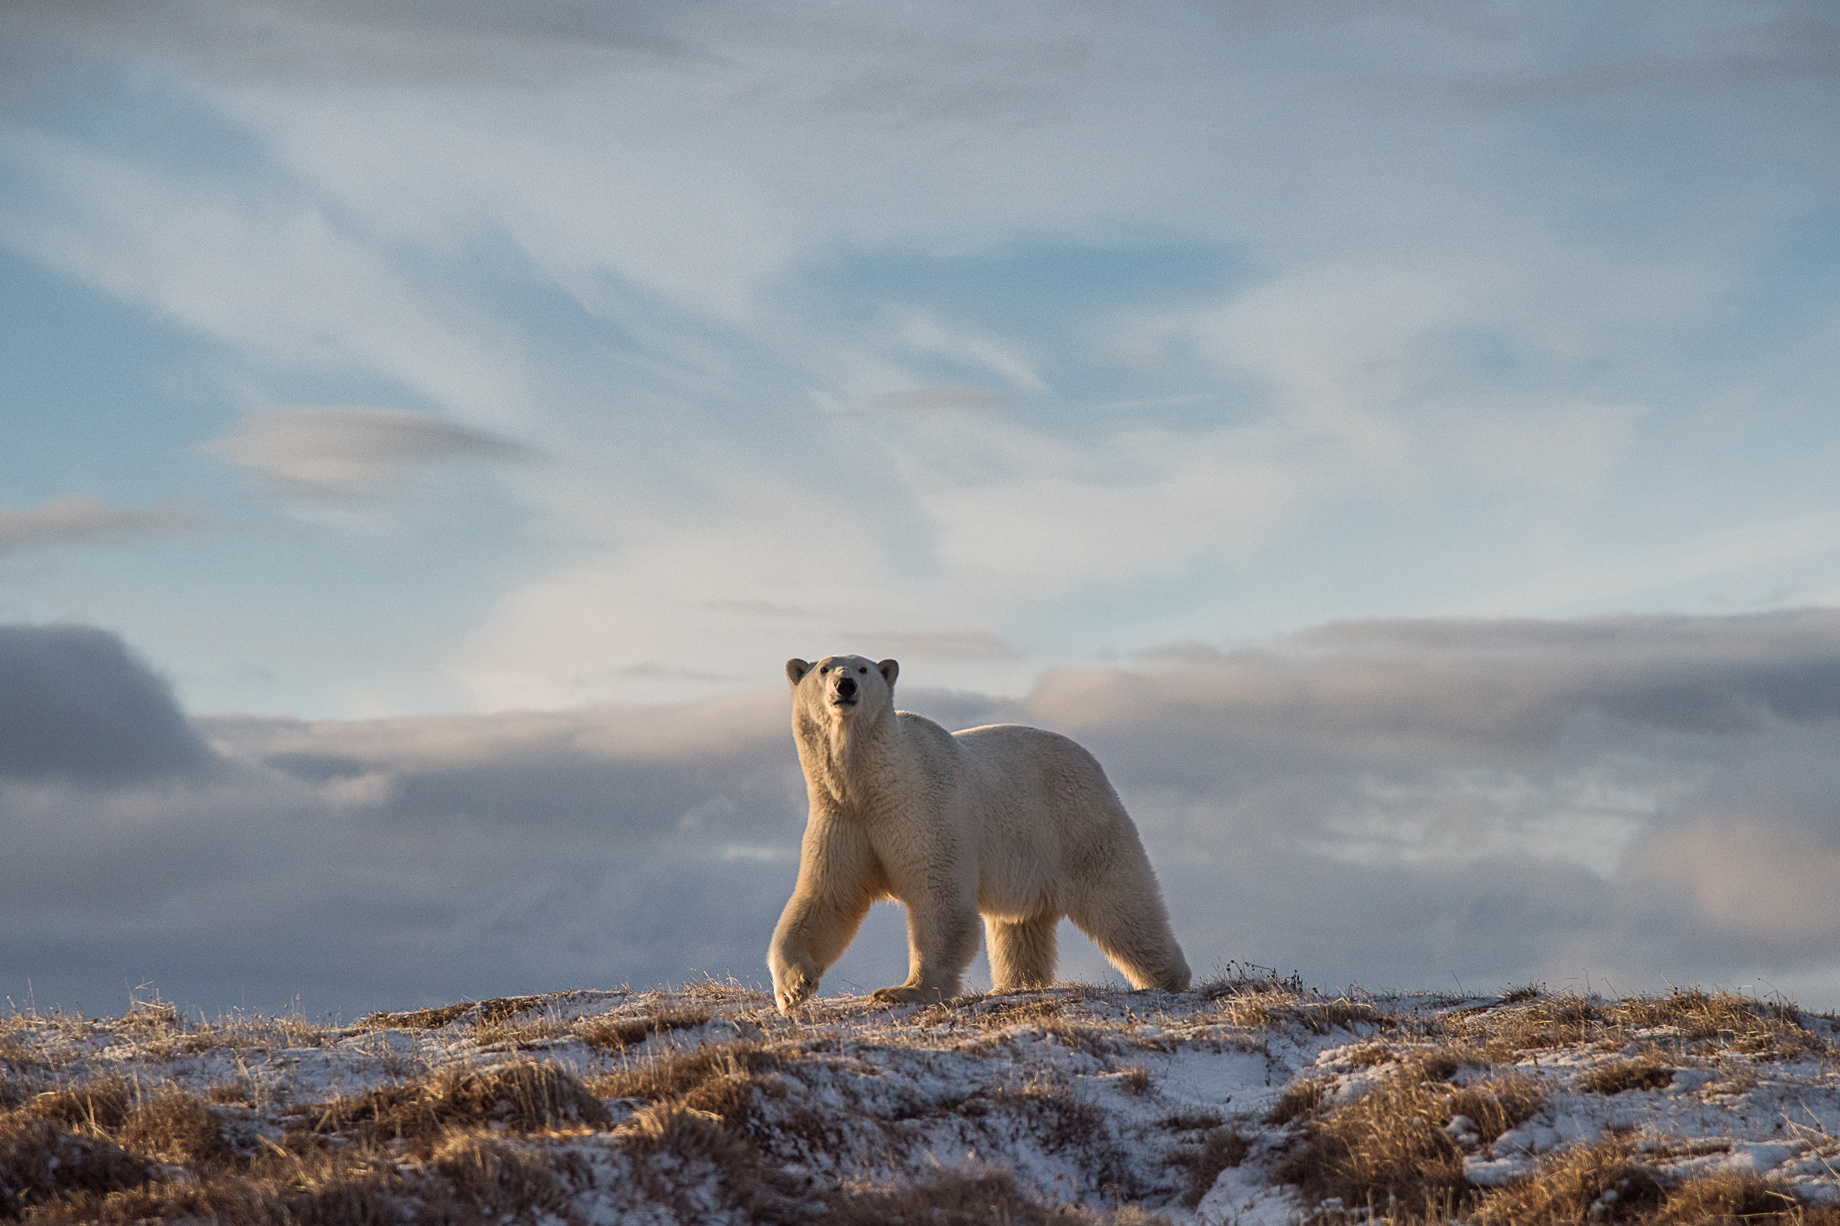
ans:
x=78 y=519
x=934 y=399
x=939 y=644
x=1421 y=313
x=355 y=452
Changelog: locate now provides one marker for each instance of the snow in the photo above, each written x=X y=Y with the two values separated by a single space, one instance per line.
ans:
x=1090 y=1096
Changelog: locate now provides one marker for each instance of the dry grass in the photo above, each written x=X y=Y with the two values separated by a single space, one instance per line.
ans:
x=277 y=1190
x=983 y=1014
x=497 y=1009
x=618 y=1033
x=1601 y=1182
x=1616 y=1076
x=87 y=1154
x=1541 y=1023
x=728 y=1127
x=1390 y=1147
x=1606 y=1183
x=1729 y=1200
x=1772 y=1030
x=41 y=1161
x=16 y=1061
x=177 y=1128
x=673 y=1074
x=490 y=1179
x=1369 y=1054
x=1260 y=1006
x=99 y=1105
x=154 y=1016
x=1387 y=1146
x=1100 y=1041
x=1192 y=1121
x=523 y=1097
x=730 y=993
x=1496 y=1104
x=667 y=1138
x=1056 y=1116
x=1220 y=1149
x=1300 y=1100
x=999 y=1016
x=1692 y=1019
x=237 y=1093
x=960 y=1198
x=1236 y=978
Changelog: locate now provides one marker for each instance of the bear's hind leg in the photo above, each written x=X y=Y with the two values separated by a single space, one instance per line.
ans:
x=1023 y=953
x=1125 y=919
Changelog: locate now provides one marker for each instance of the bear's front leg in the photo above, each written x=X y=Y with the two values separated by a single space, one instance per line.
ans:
x=812 y=934
x=942 y=938
x=836 y=877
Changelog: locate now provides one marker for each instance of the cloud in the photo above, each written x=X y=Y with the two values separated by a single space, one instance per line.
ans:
x=78 y=519
x=354 y=452
x=933 y=399
x=1526 y=798
x=364 y=863
x=320 y=39
x=1380 y=275
x=265 y=271
x=942 y=644
x=925 y=334
x=76 y=706
x=1648 y=800
x=751 y=609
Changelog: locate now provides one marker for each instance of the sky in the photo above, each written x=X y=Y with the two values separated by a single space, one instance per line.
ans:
x=1398 y=439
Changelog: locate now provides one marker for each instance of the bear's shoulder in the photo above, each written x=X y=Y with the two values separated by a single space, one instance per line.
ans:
x=914 y=725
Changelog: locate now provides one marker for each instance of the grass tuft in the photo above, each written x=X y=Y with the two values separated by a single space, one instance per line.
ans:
x=1220 y=1149
x=1390 y=1145
x=177 y=1128
x=674 y=1074
x=497 y=1009
x=1617 y=1076
x=1599 y=1183
x=491 y=1179
x=100 y=1105
x=1299 y=1101
x=963 y=1198
x=522 y=1097
x=618 y=1033
x=41 y=1160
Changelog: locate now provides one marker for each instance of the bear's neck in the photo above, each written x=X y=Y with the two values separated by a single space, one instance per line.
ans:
x=841 y=757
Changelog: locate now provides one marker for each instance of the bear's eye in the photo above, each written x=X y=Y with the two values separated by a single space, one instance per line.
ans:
x=825 y=669
x=862 y=670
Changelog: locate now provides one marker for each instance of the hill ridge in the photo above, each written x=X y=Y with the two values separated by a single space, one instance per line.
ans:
x=1250 y=1100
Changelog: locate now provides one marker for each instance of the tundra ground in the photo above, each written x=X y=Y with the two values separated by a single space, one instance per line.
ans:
x=1249 y=1100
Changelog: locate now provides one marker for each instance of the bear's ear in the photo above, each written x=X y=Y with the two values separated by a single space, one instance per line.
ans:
x=796 y=670
x=889 y=671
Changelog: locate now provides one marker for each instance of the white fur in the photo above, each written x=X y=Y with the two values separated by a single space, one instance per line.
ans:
x=1013 y=823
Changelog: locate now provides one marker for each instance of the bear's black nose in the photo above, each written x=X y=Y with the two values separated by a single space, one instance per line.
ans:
x=846 y=688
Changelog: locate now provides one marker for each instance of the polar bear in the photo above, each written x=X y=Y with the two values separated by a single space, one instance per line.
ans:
x=1013 y=823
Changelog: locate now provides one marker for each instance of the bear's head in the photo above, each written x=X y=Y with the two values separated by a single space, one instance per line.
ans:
x=841 y=687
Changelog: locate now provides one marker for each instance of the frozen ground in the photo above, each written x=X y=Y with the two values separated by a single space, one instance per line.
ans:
x=704 y=1105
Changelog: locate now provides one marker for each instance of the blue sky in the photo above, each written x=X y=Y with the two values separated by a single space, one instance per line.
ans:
x=1001 y=338
x=385 y=362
